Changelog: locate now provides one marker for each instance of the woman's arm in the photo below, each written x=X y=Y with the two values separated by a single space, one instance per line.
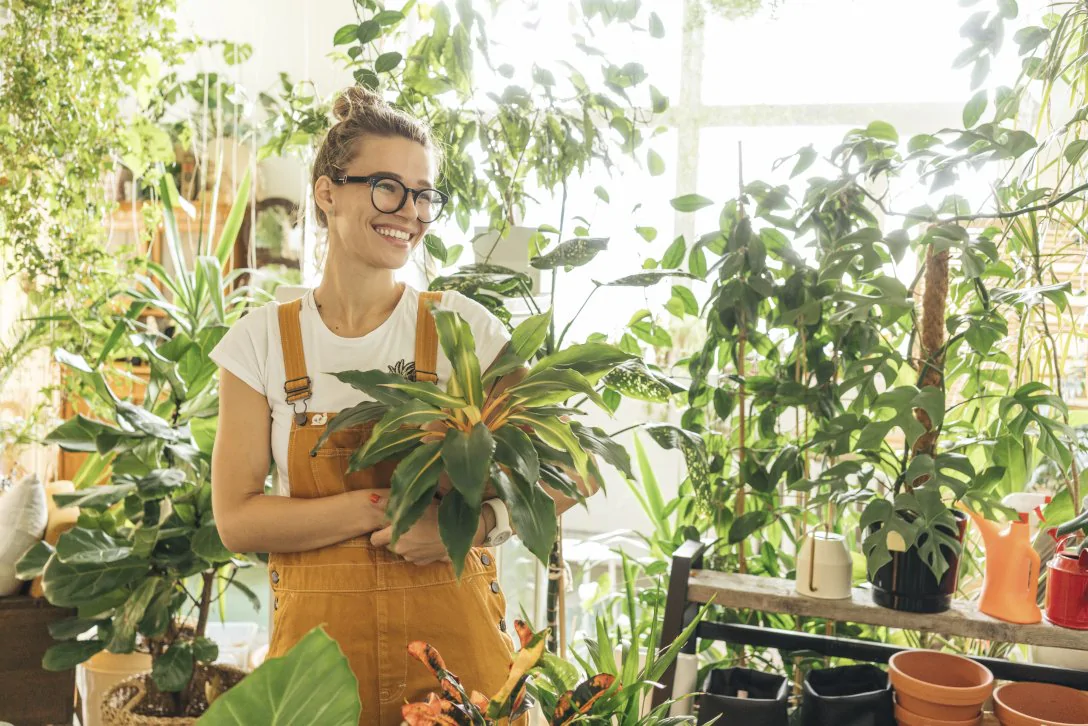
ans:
x=249 y=521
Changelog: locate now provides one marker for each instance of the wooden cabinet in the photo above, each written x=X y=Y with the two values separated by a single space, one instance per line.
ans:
x=30 y=695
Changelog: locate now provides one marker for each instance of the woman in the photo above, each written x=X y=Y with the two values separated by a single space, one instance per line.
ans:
x=331 y=559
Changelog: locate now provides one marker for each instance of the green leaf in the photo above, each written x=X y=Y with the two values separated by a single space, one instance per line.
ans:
x=67 y=655
x=72 y=585
x=81 y=434
x=674 y=255
x=125 y=622
x=95 y=497
x=33 y=562
x=345 y=34
x=387 y=62
x=690 y=203
x=697 y=262
x=902 y=401
x=90 y=546
x=467 y=459
x=70 y=628
x=208 y=546
x=647 y=233
x=173 y=670
x=657 y=29
x=690 y=445
x=458 y=520
x=514 y=449
x=311 y=683
x=655 y=163
x=974 y=109
x=529 y=336
x=358 y=415
x=428 y=393
x=368 y=31
x=592 y=360
x=551 y=386
x=389 y=17
x=602 y=193
x=1075 y=150
x=146 y=422
x=572 y=253
x=374 y=383
x=747 y=524
x=205 y=650
x=459 y=345
x=691 y=305
x=413 y=486
x=596 y=441
x=532 y=511
x=635 y=380
x=382 y=446
x=648 y=278
x=557 y=434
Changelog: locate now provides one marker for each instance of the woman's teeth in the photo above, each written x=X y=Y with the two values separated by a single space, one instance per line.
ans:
x=394 y=233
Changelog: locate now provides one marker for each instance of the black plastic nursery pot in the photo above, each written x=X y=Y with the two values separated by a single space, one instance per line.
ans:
x=907 y=584
x=744 y=697
x=858 y=695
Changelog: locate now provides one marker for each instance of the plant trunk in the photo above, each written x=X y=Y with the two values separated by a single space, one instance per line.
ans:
x=931 y=357
x=742 y=563
x=555 y=575
x=201 y=625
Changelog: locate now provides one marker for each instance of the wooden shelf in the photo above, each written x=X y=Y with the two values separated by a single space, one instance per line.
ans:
x=776 y=595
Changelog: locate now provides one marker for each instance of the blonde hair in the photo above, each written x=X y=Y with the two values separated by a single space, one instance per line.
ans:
x=361 y=113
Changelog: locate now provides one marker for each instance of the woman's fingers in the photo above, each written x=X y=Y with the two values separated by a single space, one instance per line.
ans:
x=382 y=538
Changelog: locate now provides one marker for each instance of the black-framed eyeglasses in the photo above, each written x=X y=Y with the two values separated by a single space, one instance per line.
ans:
x=389 y=196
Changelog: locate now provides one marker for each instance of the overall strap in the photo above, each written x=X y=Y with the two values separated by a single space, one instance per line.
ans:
x=297 y=386
x=427 y=338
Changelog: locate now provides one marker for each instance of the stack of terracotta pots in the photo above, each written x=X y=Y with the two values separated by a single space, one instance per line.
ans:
x=938 y=689
x=941 y=689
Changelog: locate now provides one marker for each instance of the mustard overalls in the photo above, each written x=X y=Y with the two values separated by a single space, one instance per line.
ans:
x=371 y=601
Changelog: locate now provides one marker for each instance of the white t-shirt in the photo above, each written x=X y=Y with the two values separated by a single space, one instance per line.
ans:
x=251 y=350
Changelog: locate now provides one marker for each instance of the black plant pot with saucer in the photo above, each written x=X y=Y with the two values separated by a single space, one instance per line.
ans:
x=744 y=697
x=858 y=695
x=907 y=584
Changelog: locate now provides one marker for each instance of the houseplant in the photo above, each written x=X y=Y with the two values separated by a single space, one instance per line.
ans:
x=505 y=443
x=140 y=540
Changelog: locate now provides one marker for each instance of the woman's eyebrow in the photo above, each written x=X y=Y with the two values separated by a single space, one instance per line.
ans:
x=424 y=183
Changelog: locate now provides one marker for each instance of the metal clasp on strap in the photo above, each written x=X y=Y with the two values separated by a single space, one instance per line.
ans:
x=297 y=389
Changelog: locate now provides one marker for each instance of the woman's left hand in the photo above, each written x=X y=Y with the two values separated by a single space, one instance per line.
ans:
x=420 y=545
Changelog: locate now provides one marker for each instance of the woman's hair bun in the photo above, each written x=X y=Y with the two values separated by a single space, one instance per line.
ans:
x=354 y=100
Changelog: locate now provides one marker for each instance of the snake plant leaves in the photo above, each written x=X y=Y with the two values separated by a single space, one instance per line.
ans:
x=592 y=360
x=311 y=683
x=457 y=523
x=572 y=253
x=371 y=383
x=467 y=459
x=413 y=485
x=363 y=413
x=455 y=336
x=532 y=510
x=70 y=585
x=80 y=546
x=514 y=449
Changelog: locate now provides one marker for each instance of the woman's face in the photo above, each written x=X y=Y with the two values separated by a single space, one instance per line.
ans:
x=363 y=233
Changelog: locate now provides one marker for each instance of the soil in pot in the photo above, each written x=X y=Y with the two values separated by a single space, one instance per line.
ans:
x=136 y=701
x=744 y=697
x=858 y=695
x=939 y=685
x=907 y=584
x=1031 y=704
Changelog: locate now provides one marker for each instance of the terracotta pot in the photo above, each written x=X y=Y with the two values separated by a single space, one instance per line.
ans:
x=903 y=717
x=940 y=685
x=1031 y=704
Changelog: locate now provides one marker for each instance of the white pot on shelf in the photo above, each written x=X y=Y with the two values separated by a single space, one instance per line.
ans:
x=824 y=567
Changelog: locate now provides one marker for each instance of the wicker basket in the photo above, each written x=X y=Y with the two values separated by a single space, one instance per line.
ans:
x=120 y=701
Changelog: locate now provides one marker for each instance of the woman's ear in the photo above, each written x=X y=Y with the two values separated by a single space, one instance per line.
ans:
x=323 y=195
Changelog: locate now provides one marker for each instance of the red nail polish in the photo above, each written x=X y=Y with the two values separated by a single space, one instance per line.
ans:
x=374 y=498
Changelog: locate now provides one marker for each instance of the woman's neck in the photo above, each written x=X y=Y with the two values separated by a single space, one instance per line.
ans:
x=354 y=300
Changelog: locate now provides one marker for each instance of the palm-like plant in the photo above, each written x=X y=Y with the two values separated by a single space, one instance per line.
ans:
x=504 y=442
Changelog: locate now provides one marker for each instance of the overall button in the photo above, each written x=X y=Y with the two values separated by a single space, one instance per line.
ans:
x=275 y=577
x=495 y=587
x=486 y=560
x=502 y=625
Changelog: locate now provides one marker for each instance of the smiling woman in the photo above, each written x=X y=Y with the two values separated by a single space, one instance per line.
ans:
x=332 y=561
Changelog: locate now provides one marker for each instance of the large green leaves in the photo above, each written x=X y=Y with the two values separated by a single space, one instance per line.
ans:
x=128 y=618
x=592 y=360
x=901 y=402
x=570 y=254
x=546 y=386
x=690 y=445
x=397 y=431
x=311 y=684
x=532 y=510
x=67 y=655
x=458 y=521
x=414 y=482
x=80 y=546
x=558 y=434
x=455 y=336
x=173 y=669
x=1029 y=405
x=514 y=449
x=917 y=519
x=467 y=458
x=69 y=585
x=95 y=497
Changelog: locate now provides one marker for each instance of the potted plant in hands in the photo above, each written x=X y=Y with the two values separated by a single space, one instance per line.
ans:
x=485 y=440
x=141 y=539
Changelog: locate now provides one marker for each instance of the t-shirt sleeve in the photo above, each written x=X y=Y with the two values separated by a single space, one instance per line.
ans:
x=244 y=349
x=490 y=334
